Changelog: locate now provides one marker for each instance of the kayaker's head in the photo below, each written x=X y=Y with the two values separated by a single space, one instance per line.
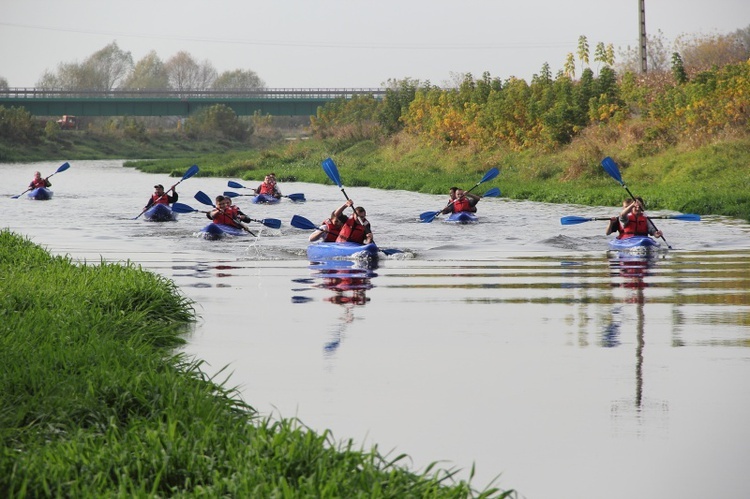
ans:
x=159 y=189
x=37 y=175
x=361 y=214
x=452 y=192
x=222 y=202
x=340 y=220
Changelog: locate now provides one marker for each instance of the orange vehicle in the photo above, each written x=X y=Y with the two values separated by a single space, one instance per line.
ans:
x=68 y=122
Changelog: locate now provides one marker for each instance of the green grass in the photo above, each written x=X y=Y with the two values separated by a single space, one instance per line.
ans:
x=93 y=403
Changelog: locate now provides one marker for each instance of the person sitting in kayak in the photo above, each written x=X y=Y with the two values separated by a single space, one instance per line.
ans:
x=635 y=222
x=614 y=222
x=226 y=213
x=269 y=187
x=356 y=229
x=161 y=197
x=331 y=227
x=38 y=182
x=461 y=201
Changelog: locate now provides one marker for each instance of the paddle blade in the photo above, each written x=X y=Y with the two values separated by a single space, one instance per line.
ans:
x=574 y=220
x=296 y=197
x=203 y=198
x=686 y=217
x=190 y=172
x=235 y=185
x=490 y=175
x=492 y=193
x=390 y=251
x=272 y=223
x=302 y=223
x=182 y=208
x=231 y=194
x=610 y=167
x=333 y=173
x=62 y=168
x=428 y=216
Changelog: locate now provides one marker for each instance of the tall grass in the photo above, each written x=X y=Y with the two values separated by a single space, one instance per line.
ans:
x=94 y=404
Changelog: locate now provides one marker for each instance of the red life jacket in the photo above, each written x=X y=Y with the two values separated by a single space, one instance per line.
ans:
x=635 y=226
x=37 y=183
x=352 y=231
x=332 y=231
x=267 y=189
x=163 y=199
x=461 y=204
x=227 y=217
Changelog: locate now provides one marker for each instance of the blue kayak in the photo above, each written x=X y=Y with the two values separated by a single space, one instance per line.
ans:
x=160 y=213
x=462 y=217
x=328 y=251
x=40 y=194
x=264 y=199
x=635 y=242
x=214 y=231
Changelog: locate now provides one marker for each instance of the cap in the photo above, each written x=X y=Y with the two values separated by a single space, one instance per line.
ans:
x=159 y=186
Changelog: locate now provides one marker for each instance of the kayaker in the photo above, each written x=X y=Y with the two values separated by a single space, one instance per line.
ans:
x=161 y=197
x=614 y=222
x=330 y=227
x=269 y=187
x=635 y=222
x=356 y=229
x=38 y=181
x=461 y=201
x=226 y=213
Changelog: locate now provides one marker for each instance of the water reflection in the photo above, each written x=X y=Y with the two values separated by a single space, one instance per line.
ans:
x=633 y=272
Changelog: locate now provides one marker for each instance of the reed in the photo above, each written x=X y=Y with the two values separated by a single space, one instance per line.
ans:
x=94 y=403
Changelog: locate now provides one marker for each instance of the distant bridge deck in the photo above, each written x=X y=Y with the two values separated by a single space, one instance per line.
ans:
x=268 y=101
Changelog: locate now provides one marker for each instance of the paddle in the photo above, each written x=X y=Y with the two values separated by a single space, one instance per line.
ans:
x=61 y=168
x=429 y=216
x=189 y=173
x=234 y=185
x=303 y=223
x=610 y=167
x=272 y=223
x=573 y=220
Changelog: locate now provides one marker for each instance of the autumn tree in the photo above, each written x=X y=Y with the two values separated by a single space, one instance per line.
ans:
x=102 y=70
x=238 y=80
x=149 y=73
x=702 y=52
x=186 y=74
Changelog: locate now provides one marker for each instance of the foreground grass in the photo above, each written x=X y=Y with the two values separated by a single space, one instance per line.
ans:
x=710 y=180
x=93 y=404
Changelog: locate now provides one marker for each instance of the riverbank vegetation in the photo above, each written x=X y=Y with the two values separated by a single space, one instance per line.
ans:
x=96 y=404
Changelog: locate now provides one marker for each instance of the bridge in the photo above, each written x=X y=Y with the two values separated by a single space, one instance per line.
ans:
x=267 y=101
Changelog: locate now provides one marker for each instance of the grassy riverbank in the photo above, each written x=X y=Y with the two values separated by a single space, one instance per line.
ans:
x=709 y=180
x=94 y=404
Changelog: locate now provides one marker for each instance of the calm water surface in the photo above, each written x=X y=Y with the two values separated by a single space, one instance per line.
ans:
x=516 y=345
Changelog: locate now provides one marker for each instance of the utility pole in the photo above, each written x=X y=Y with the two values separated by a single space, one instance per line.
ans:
x=642 y=35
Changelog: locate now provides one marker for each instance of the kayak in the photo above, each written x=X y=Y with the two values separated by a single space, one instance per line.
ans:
x=40 y=194
x=214 y=231
x=328 y=251
x=462 y=217
x=160 y=213
x=264 y=199
x=643 y=243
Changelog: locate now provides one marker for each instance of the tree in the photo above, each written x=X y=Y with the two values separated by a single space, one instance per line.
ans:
x=657 y=54
x=701 y=52
x=583 y=51
x=186 y=74
x=238 y=80
x=149 y=73
x=570 y=66
x=103 y=70
x=3 y=83
x=107 y=68
x=678 y=69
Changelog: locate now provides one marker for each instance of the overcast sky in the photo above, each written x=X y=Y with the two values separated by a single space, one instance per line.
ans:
x=344 y=43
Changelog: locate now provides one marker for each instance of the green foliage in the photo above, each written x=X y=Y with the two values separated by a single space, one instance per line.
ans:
x=18 y=125
x=678 y=69
x=218 y=121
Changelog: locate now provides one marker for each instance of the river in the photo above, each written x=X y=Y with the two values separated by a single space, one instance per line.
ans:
x=516 y=345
